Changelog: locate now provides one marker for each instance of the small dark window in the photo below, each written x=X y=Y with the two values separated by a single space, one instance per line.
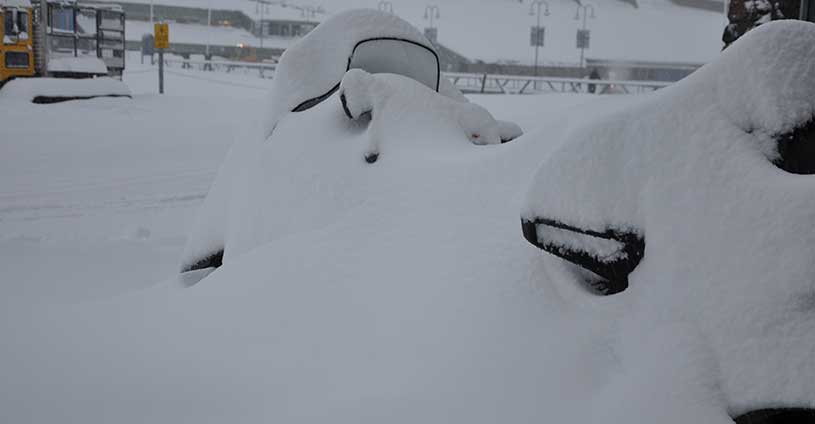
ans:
x=16 y=60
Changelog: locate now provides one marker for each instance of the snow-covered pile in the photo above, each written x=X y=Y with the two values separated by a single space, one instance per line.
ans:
x=28 y=89
x=722 y=303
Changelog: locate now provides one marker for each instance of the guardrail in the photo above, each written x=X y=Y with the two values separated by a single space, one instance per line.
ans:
x=466 y=82
x=519 y=84
x=265 y=70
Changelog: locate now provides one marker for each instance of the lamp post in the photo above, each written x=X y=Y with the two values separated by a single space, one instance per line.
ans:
x=385 y=6
x=209 y=24
x=431 y=13
x=537 y=38
x=587 y=11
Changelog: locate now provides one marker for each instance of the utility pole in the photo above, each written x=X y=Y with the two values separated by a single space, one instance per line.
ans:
x=583 y=35
x=537 y=35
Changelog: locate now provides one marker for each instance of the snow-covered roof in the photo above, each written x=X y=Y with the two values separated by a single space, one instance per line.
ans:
x=200 y=34
x=15 y=3
x=498 y=30
x=284 y=10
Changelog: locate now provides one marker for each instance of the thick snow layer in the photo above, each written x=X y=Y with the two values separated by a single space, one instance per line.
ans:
x=729 y=243
x=85 y=65
x=15 y=3
x=26 y=89
x=376 y=314
x=388 y=96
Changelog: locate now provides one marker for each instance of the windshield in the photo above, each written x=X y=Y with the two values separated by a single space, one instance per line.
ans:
x=397 y=57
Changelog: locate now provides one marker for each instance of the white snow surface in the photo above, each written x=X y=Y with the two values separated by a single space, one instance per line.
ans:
x=729 y=240
x=353 y=318
x=401 y=291
x=26 y=89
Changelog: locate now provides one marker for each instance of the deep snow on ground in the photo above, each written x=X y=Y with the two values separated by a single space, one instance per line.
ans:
x=403 y=291
x=95 y=201
x=94 y=195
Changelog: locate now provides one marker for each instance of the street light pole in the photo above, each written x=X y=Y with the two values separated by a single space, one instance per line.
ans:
x=431 y=13
x=585 y=8
x=538 y=3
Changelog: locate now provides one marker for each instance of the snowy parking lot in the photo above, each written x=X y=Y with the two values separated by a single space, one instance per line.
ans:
x=382 y=256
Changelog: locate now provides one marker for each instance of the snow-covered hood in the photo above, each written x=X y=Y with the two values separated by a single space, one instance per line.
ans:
x=695 y=170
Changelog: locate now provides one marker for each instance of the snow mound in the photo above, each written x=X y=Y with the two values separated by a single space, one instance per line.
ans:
x=728 y=235
x=32 y=89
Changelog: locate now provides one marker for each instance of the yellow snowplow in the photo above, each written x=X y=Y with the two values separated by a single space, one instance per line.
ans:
x=67 y=40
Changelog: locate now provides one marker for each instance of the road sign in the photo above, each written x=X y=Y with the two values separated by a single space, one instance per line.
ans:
x=432 y=34
x=537 y=36
x=583 y=38
x=162 y=36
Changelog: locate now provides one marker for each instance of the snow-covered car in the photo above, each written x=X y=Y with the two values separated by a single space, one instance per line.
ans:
x=384 y=68
x=695 y=206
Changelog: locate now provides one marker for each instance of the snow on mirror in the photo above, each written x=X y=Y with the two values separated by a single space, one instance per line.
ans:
x=393 y=56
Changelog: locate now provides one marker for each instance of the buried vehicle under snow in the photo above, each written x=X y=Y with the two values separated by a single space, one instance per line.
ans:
x=696 y=208
x=382 y=68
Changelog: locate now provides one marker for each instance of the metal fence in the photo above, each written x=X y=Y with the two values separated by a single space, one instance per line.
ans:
x=466 y=82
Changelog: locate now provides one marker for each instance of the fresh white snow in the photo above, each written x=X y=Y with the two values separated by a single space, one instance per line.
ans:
x=403 y=291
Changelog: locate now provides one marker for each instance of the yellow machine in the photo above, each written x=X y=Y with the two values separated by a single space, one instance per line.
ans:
x=75 y=41
x=17 y=48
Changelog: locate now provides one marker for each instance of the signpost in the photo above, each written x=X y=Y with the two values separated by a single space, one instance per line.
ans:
x=537 y=36
x=583 y=38
x=162 y=42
